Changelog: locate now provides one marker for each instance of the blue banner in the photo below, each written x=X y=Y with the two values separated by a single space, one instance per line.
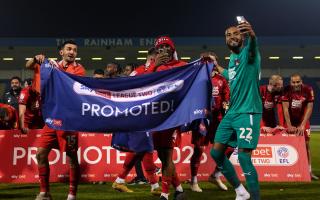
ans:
x=152 y=102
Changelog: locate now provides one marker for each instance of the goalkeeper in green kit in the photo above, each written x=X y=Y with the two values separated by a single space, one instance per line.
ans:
x=241 y=124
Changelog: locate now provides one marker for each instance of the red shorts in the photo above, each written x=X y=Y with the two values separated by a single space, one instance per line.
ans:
x=307 y=131
x=55 y=139
x=167 y=139
x=200 y=140
x=36 y=123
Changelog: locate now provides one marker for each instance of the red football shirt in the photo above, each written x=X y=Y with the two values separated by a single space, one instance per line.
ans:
x=32 y=116
x=298 y=101
x=220 y=92
x=12 y=123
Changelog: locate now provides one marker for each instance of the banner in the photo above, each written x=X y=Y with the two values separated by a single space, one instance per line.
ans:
x=277 y=158
x=160 y=100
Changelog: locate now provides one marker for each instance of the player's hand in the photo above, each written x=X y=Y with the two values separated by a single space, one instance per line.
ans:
x=39 y=59
x=300 y=130
x=209 y=57
x=280 y=127
x=225 y=105
x=246 y=28
x=292 y=130
x=161 y=59
x=25 y=130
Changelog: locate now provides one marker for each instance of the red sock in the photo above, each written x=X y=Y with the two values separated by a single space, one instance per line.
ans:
x=131 y=159
x=44 y=174
x=166 y=184
x=74 y=175
x=175 y=180
x=195 y=160
x=150 y=168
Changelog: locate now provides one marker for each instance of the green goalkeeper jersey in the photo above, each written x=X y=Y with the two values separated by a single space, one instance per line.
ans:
x=243 y=74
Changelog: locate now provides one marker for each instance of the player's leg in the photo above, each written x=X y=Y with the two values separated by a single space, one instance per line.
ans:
x=248 y=131
x=216 y=174
x=45 y=143
x=194 y=167
x=166 y=173
x=150 y=169
x=74 y=175
x=225 y=136
x=139 y=178
x=169 y=175
x=44 y=173
x=215 y=177
x=131 y=159
x=68 y=142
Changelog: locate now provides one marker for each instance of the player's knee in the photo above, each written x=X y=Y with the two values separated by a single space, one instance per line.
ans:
x=42 y=157
x=217 y=155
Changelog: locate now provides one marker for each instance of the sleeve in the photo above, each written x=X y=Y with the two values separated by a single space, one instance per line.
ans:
x=225 y=74
x=310 y=95
x=253 y=50
x=226 y=90
x=80 y=71
x=24 y=96
x=286 y=95
x=280 y=114
x=36 y=78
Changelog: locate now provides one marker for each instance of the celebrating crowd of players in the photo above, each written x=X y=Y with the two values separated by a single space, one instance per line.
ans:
x=241 y=106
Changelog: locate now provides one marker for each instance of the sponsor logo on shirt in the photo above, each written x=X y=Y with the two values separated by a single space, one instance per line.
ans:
x=268 y=105
x=296 y=103
x=215 y=91
x=232 y=73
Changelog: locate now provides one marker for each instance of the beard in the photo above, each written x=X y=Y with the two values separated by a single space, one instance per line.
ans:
x=234 y=45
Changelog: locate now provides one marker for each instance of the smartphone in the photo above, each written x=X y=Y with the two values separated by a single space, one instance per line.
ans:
x=240 y=19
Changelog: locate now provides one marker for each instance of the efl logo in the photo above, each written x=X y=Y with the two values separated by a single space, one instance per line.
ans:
x=283 y=152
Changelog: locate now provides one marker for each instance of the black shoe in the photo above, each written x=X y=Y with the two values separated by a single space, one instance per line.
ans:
x=179 y=196
x=163 y=198
x=138 y=181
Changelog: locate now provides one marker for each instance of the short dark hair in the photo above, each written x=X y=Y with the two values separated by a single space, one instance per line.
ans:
x=133 y=65
x=28 y=80
x=99 y=71
x=15 y=77
x=115 y=64
x=296 y=75
x=67 y=42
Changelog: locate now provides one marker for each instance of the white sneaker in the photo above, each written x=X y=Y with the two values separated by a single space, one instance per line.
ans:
x=44 y=196
x=217 y=181
x=71 y=197
x=243 y=196
x=314 y=177
x=242 y=193
x=195 y=187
